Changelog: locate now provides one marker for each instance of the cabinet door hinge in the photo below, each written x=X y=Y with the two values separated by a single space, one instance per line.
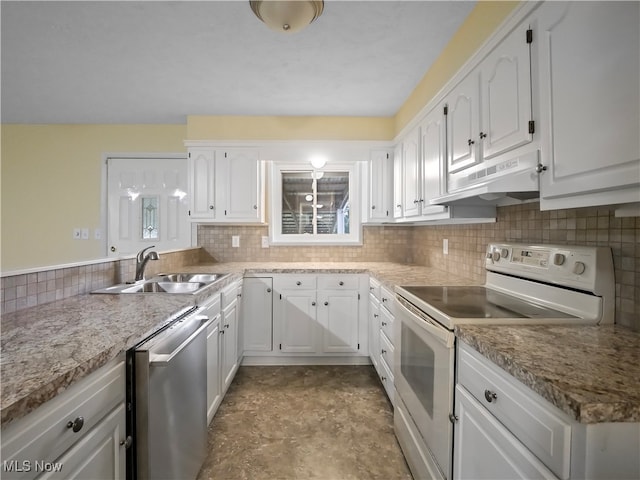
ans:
x=529 y=36
x=358 y=296
x=225 y=154
x=189 y=212
x=189 y=156
x=445 y=110
x=280 y=296
x=225 y=213
x=280 y=346
x=358 y=346
x=532 y=126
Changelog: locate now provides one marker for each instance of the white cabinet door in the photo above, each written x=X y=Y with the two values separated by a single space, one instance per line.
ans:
x=374 y=331
x=100 y=455
x=380 y=186
x=338 y=314
x=398 y=182
x=214 y=394
x=201 y=166
x=484 y=449
x=257 y=314
x=505 y=83
x=463 y=118
x=229 y=353
x=238 y=186
x=589 y=76
x=411 y=174
x=296 y=317
x=432 y=151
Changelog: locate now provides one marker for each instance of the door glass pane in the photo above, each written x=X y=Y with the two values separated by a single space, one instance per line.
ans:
x=417 y=367
x=150 y=218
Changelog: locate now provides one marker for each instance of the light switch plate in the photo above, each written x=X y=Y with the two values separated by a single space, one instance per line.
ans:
x=85 y=234
x=265 y=242
x=235 y=241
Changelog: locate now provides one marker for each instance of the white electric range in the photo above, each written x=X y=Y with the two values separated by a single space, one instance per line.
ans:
x=525 y=284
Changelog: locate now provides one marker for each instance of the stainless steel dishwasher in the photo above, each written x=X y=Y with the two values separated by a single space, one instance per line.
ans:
x=171 y=400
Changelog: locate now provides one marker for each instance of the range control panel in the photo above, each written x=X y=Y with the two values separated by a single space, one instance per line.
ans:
x=581 y=267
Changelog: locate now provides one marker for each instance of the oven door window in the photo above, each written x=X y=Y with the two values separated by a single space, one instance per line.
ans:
x=417 y=366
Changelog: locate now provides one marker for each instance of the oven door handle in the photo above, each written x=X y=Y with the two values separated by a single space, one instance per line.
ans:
x=445 y=336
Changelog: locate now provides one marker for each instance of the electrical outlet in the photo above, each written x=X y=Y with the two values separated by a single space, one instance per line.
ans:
x=235 y=241
x=265 y=242
x=445 y=246
x=77 y=234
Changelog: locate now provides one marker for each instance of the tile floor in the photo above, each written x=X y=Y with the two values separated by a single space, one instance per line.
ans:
x=310 y=422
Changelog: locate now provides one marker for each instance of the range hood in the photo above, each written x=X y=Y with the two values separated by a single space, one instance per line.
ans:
x=506 y=183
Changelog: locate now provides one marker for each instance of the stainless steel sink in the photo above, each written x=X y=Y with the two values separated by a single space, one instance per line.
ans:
x=167 y=283
x=188 y=277
x=165 y=287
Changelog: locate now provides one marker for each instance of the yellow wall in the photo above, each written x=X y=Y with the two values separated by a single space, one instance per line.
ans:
x=483 y=20
x=51 y=174
x=51 y=184
x=205 y=127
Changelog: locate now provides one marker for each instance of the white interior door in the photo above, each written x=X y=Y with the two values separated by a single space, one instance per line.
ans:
x=147 y=204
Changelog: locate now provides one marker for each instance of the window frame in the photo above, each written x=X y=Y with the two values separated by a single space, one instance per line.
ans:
x=276 y=237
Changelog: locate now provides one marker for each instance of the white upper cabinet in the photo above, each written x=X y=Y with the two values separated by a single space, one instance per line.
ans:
x=226 y=185
x=505 y=90
x=398 y=180
x=412 y=187
x=201 y=181
x=589 y=60
x=462 y=124
x=491 y=147
x=380 y=186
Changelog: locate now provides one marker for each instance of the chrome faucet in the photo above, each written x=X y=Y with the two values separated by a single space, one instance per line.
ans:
x=142 y=260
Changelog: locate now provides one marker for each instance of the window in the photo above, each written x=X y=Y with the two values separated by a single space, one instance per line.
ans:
x=312 y=206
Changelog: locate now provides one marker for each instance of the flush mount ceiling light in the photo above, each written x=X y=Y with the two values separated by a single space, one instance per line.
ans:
x=288 y=16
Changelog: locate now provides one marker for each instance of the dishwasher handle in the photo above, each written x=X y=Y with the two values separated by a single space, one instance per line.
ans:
x=163 y=359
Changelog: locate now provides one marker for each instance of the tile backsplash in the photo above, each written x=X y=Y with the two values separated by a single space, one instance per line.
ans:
x=31 y=289
x=422 y=245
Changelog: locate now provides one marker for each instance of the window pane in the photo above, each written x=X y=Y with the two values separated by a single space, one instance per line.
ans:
x=150 y=218
x=333 y=203
x=297 y=203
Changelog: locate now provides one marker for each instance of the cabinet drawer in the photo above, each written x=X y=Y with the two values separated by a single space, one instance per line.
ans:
x=44 y=434
x=338 y=282
x=541 y=427
x=293 y=282
x=386 y=351
x=386 y=377
x=386 y=324
x=374 y=287
x=388 y=299
x=229 y=295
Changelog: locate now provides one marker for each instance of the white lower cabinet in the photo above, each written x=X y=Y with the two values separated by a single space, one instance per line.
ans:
x=214 y=392
x=257 y=314
x=506 y=430
x=314 y=315
x=229 y=333
x=485 y=449
x=381 y=343
x=78 y=434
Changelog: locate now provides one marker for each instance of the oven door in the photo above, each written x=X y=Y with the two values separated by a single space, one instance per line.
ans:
x=424 y=379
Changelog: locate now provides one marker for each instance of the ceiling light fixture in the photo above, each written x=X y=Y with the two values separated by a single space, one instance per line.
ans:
x=288 y=16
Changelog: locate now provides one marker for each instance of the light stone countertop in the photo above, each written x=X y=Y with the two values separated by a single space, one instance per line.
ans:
x=45 y=349
x=592 y=373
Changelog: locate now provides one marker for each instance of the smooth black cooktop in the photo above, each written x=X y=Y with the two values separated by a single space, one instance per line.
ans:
x=480 y=302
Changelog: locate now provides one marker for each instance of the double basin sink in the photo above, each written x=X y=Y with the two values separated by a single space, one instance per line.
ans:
x=167 y=283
